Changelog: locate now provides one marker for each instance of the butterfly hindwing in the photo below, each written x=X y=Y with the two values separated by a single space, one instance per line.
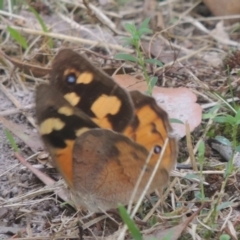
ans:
x=114 y=163
x=150 y=128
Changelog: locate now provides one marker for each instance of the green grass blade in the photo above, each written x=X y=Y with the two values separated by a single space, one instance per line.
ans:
x=152 y=82
x=43 y=25
x=226 y=102
x=18 y=37
x=224 y=237
x=224 y=205
x=133 y=229
x=126 y=57
x=40 y=20
x=154 y=61
x=175 y=120
x=145 y=23
x=11 y=140
x=1 y=4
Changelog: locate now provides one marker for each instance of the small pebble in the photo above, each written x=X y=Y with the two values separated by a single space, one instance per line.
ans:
x=4 y=193
x=39 y=228
x=14 y=190
x=54 y=211
x=24 y=177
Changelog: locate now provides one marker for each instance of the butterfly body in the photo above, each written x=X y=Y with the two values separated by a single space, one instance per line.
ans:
x=100 y=137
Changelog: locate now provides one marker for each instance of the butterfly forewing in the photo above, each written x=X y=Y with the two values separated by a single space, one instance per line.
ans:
x=91 y=90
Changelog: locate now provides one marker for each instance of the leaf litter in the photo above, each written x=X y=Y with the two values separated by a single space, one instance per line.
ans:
x=192 y=62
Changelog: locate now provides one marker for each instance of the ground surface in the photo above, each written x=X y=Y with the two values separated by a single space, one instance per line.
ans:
x=192 y=46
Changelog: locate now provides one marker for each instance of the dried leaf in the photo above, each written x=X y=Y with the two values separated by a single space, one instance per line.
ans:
x=172 y=233
x=223 y=8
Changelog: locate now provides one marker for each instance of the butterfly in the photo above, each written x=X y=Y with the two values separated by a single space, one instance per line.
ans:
x=100 y=136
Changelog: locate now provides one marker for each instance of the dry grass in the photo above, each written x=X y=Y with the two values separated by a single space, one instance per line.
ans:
x=193 y=49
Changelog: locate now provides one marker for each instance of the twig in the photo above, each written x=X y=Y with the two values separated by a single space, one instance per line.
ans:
x=68 y=38
x=44 y=178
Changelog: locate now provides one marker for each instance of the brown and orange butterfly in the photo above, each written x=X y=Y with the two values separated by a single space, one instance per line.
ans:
x=99 y=135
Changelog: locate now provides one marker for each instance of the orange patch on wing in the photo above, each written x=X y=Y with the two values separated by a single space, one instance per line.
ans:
x=50 y=125
x=72 y=98
x=103 y=123
x=80 y=131
x=105 y=105
x=151 y=132
x=85 y=78
x=63 y=159
x=65 y=110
